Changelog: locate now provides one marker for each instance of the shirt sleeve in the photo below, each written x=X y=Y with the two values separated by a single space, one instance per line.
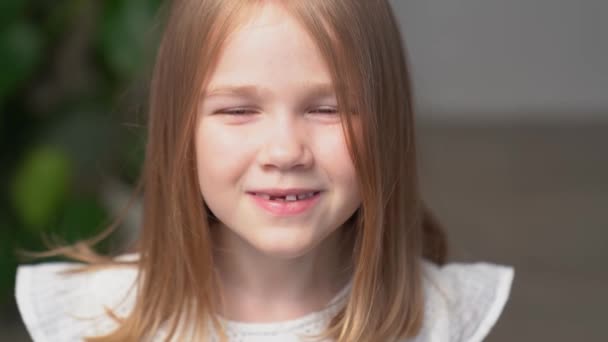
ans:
x=56 y=306
x=464 y=301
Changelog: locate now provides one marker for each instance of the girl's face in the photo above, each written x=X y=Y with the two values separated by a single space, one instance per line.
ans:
x=269 y=133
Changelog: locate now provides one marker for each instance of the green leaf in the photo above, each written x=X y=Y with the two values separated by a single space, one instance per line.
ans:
x=40 y=187
x=125 y=35
x=82 y=218
x=20 y=52
x=60 y=16
x=11 y=10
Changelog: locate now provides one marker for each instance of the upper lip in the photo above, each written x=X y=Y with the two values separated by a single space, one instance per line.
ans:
x=284 y=192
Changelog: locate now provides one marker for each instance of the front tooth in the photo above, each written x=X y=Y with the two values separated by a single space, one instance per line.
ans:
x=291 y=197
x=308 y=195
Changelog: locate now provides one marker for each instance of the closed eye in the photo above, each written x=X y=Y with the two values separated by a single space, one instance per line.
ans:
x=237 y=111
x=324 y=110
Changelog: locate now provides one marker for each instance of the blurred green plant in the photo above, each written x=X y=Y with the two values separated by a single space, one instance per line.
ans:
x=72 y=95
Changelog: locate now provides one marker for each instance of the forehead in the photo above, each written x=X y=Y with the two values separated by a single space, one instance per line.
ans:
x=270 y=46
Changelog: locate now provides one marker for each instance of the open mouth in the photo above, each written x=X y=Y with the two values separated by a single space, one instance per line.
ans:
x=287 y=198
x=286 y=205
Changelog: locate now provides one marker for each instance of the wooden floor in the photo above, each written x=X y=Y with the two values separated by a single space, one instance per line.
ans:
x=534 y=196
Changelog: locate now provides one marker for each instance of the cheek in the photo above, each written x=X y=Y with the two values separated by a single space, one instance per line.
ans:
x=220 y=155
x=331 y=151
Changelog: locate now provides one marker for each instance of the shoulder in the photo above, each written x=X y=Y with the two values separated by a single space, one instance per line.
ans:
x=463 y=301
x=56 y=305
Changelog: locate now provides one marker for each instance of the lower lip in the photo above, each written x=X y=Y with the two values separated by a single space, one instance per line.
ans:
x=284 y=208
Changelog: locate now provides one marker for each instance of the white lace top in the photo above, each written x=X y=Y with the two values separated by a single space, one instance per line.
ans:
x=462 y=303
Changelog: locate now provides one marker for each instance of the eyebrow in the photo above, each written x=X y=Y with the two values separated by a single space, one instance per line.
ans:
x=246 y=90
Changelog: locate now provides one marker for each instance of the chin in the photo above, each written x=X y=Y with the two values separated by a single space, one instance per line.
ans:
x=285 y=245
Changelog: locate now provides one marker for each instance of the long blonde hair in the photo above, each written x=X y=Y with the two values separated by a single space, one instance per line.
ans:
x=391 y=231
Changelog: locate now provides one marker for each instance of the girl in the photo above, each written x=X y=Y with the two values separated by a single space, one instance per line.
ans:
x=281 y=196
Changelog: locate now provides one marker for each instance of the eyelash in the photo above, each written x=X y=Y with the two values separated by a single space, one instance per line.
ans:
x=237 y=111
x=327 y=110
x=246 y=111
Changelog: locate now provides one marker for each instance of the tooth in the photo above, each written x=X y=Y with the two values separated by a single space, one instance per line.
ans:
x=291 y=197
x=264 y=196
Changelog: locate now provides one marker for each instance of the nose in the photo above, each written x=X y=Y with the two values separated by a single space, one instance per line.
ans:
x=286 y=145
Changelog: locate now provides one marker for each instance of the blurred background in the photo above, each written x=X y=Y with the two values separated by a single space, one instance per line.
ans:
x=512 y=101
x=73 y=77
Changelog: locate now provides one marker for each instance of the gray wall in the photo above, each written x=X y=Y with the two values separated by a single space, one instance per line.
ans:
x=499 y=58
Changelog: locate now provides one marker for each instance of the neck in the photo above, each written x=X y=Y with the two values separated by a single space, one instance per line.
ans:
x=258 y=287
